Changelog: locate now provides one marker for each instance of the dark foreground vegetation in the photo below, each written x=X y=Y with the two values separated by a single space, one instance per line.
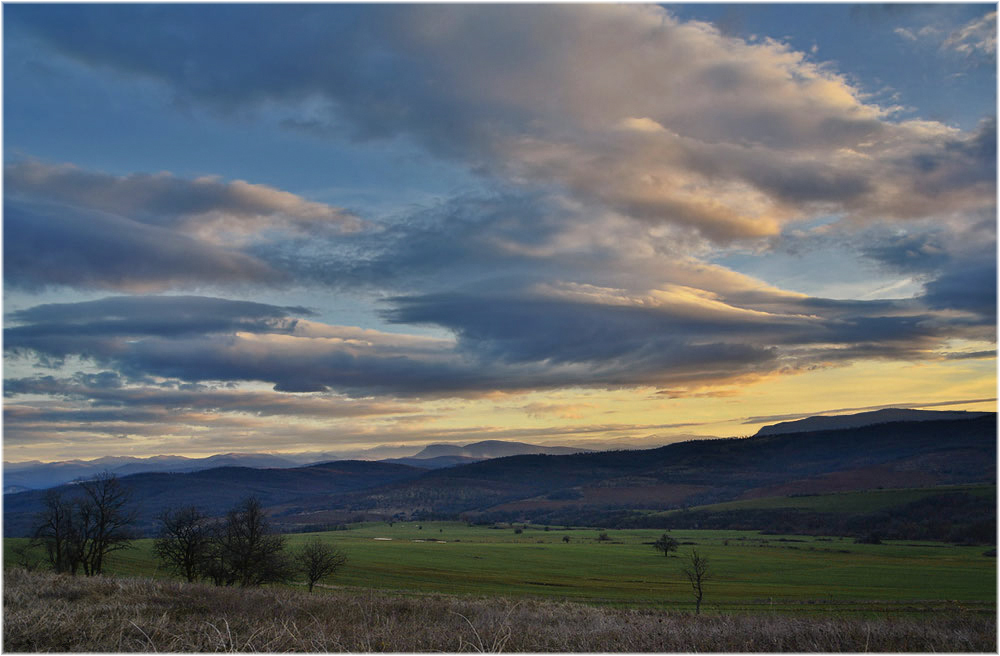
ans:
x=44 y=611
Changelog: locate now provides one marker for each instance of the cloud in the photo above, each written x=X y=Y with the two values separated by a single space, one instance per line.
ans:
x=620 y=150
x=112 y=395
x=729 y=139
x=977 y=36
x=207 y=208
x=48 y=245
x=549 y=337
x=69 y=226
x=101 y=328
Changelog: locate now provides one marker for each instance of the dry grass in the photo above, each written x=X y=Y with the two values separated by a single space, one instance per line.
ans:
x=47 y=612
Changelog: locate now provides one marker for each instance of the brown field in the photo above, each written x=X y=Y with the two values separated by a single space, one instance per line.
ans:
x=47 y=612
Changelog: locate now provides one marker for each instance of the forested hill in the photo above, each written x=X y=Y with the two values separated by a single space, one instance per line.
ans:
x=215 y=491
x=899 y=454
x=890 y=455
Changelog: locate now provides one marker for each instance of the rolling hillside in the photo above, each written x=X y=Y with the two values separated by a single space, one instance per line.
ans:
x=584 y=488
x=884 y=416
x=217 y=490
x=894 y=455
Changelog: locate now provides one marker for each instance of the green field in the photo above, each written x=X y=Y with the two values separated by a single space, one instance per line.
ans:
x=751 y=572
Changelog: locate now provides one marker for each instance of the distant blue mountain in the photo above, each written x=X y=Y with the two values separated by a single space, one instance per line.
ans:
x=40 y=475
x=494 y=449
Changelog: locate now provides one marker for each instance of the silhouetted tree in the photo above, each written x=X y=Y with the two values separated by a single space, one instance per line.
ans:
x=81 y=531
x=104 y=520
x=55 y=531
x=697 y=573
x=666 y=544
x=318 y=559
x=246 y=551
x=185 y=542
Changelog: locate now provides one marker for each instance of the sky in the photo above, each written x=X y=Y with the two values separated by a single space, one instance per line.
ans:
x=326 y=228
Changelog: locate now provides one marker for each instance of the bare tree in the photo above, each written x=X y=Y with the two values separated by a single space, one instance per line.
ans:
x=80 y=532
x=245 y=550
x=103 y=520
x=666 y=544
x=185 y=541
x=697 y=573
x=54 y=529
x=318 y=559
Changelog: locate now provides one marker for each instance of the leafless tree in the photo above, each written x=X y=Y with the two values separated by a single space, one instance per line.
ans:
x=80 y=531
x=697 y=573
x=55 y=531
x=319 y=559
x=246 y=551
x=185 y=541
x=104 y=520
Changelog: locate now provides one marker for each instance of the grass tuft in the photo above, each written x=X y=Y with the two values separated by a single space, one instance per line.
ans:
x=50 y=612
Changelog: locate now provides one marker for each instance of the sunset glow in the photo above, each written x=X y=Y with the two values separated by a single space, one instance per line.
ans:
x=341 y=227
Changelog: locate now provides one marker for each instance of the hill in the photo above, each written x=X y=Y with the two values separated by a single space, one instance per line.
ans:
x=493 y=449
x=884 y=416
x=436 y=462
x=39 y=475
x=217 y=490
x=35 y=475
x=594 y=489
x=572 y=488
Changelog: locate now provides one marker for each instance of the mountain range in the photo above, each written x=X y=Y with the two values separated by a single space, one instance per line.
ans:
x=582 y=487
x=21 y=476
x=35 y=475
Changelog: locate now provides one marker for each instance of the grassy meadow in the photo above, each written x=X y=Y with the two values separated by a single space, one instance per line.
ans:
x=44 y=612
x=751 y=572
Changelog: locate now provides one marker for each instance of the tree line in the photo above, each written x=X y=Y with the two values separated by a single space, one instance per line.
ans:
x=78 y=531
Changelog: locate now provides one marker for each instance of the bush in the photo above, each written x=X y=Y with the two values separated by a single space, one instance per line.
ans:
x=868 y=538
